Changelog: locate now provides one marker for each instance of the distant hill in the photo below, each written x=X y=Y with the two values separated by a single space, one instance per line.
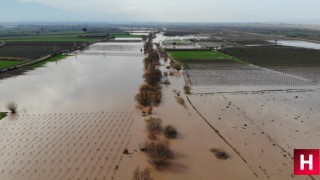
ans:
x=13 y=10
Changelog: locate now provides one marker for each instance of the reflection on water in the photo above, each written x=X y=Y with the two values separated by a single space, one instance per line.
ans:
x=82 y=82
x=303 y=44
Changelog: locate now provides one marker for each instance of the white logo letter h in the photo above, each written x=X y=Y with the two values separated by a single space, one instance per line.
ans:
x=303 y=162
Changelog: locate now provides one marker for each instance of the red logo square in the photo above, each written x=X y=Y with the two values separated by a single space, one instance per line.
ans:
x=306 y=162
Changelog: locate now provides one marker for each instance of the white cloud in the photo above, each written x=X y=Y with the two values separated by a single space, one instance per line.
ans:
x=132 y=8
x=189 y=10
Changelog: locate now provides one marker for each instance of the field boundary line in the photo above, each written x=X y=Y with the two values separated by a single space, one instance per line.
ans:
x=223 y=138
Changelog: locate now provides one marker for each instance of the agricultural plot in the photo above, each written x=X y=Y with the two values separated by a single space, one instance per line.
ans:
x=275 y=55
x=34 y=50
x=51 y=38
x=264 y=128
x=179 y=44
x=127 y=36
x=214 y=44
x=64 y=146
x=308 y=72
x=198 y=55
x=114 y=49
x=235 y=74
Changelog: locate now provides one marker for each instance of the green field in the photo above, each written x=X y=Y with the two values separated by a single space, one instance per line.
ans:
x=127 y=36
x=184 y=57
x=53 y=59
x=48 y=39
x=6 y=63
x=2 y=115
x=200 y=55
x=53 y=37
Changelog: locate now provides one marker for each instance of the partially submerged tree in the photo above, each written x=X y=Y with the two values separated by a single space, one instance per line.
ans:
x=12 y=107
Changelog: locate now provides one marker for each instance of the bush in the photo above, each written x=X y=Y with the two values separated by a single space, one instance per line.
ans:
x=141 y=175
x=154 y=55
x=152 y=136
x=166 y=81
x=153 y=75
x=220 y=154
x=180 y=100
x=187 y=89
x=143 y=98
x=143 y=146
x=149 y=95
x=12 y=107
x=154 y=124
x=175 y=65
x=158 y=152
x=170 y=132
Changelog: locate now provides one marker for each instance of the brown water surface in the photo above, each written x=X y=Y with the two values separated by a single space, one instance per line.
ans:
x=106 y=75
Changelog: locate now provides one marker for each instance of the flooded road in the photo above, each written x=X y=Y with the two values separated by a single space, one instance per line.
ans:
x=106 y=75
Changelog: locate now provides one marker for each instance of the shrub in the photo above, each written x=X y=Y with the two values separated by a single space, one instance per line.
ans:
x=12 y=107
x=154 y=124
x=220 y=154
x=180 y=100
x=152 y=75
x=149 y=95
x=143 y=98
x=152 y=136
x=158 y=152
x=170 y=131
x=141 y=175
x=143 y=146
x=175 y=65
x=154 y=55
x=187 y=89
x=166 y=81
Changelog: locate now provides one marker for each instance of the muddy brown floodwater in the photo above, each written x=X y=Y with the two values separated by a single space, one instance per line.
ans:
x=104 y=76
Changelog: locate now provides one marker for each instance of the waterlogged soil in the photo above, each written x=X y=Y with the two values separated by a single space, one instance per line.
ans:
x=264 y=128
x=226 y=73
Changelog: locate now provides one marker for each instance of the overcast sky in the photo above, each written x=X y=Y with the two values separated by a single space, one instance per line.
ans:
x=162 y=10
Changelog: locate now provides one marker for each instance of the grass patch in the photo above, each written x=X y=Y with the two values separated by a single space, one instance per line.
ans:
x=53 y=59
x=3 y=115
x=6 y=63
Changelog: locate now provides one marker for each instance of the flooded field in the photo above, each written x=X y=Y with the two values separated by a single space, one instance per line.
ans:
x=303 y=44
x=228 y=73
x=64 y=145
x=264 y=127
x=308 y=72
x=104 y=76
x=75 y=116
